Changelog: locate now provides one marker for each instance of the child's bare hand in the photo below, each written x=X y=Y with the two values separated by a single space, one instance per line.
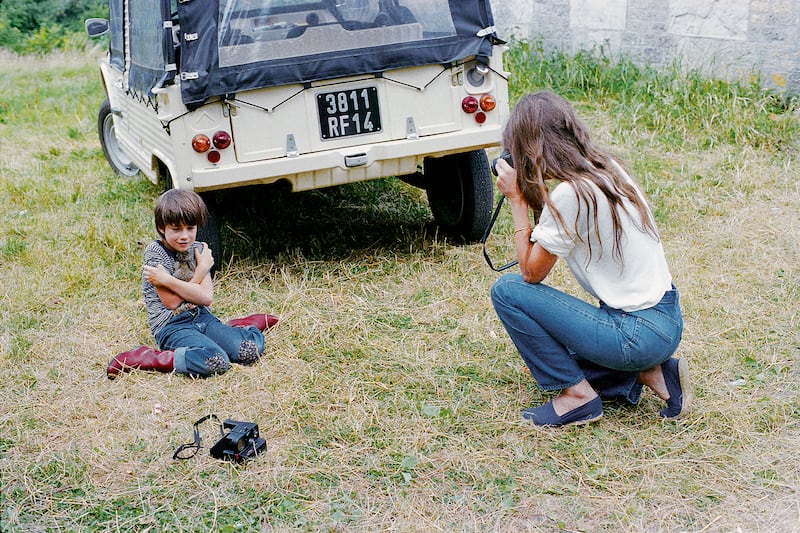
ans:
x=204 y=257
x=156 y=275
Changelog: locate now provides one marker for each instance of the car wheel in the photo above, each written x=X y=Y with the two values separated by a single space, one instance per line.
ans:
x=460 y=193
x=117 y=158
x=210 y=234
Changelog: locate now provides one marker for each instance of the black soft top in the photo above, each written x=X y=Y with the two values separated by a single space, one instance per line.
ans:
x=221 y=47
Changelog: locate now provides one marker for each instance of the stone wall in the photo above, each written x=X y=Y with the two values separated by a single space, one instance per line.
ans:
x=731 y=39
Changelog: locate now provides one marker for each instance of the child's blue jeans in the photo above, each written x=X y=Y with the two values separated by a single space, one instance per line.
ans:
x=203 y=345
x=563 y=339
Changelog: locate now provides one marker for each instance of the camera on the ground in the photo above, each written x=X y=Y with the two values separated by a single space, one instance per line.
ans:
x=505 y=156
x=240 y=443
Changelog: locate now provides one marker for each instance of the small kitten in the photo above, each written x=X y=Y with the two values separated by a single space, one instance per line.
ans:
x=185 y=265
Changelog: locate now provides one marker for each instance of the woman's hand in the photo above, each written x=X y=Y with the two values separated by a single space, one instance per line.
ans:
x=507 y=181
x=535 y=262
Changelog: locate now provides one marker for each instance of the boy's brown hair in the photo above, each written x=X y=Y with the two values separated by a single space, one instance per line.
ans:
x=177 y=207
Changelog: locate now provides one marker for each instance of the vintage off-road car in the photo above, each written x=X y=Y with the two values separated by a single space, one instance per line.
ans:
x=213 y=94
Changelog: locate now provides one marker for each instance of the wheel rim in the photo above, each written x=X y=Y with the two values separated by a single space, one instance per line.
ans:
x=121 y=161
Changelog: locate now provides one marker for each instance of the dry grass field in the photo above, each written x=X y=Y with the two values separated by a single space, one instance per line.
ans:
x=389 y=395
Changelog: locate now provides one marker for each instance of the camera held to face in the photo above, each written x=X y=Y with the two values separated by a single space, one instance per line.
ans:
x=506 y=157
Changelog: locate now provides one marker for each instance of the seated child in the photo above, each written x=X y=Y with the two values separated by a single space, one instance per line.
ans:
x=177 y=290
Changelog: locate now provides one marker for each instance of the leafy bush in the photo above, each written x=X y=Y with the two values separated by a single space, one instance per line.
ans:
x=31 y=26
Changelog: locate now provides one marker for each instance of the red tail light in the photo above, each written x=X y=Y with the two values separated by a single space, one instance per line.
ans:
x=222 y=139
x=469 y=104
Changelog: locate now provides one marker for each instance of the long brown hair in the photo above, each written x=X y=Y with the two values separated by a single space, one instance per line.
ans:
x=548 y=141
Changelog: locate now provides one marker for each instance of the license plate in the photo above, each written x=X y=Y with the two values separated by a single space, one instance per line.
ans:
x=349 y=112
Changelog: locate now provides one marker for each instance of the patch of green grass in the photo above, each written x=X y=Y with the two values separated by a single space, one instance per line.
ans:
x=677 y=109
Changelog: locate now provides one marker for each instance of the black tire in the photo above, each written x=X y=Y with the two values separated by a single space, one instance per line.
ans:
x=119 y=161
x=209 y=233
x=460 y=193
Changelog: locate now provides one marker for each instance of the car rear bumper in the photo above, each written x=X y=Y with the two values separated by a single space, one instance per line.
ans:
x=345 y=165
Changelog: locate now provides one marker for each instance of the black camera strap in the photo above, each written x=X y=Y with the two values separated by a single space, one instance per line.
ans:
x=194 y=447
x=486 y=236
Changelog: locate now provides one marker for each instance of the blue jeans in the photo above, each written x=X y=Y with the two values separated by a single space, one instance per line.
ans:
x=563 y=339
x=203 y=345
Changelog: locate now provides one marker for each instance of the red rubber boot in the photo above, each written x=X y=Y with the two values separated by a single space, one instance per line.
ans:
x=259 y=320
x=144 y=358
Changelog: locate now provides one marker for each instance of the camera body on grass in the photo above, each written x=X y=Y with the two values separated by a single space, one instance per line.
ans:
x=241 y=442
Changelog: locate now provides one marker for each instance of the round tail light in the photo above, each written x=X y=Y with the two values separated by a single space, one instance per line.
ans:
x=469 y=104
x=201 y=143
x=488 y=102
x=480 y=117
x=213 y=156
x=222 y=139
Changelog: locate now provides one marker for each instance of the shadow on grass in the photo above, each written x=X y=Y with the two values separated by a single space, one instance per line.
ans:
x=267 y=222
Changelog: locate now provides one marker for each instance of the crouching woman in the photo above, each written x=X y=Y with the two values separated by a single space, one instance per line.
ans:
x=596 y=218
